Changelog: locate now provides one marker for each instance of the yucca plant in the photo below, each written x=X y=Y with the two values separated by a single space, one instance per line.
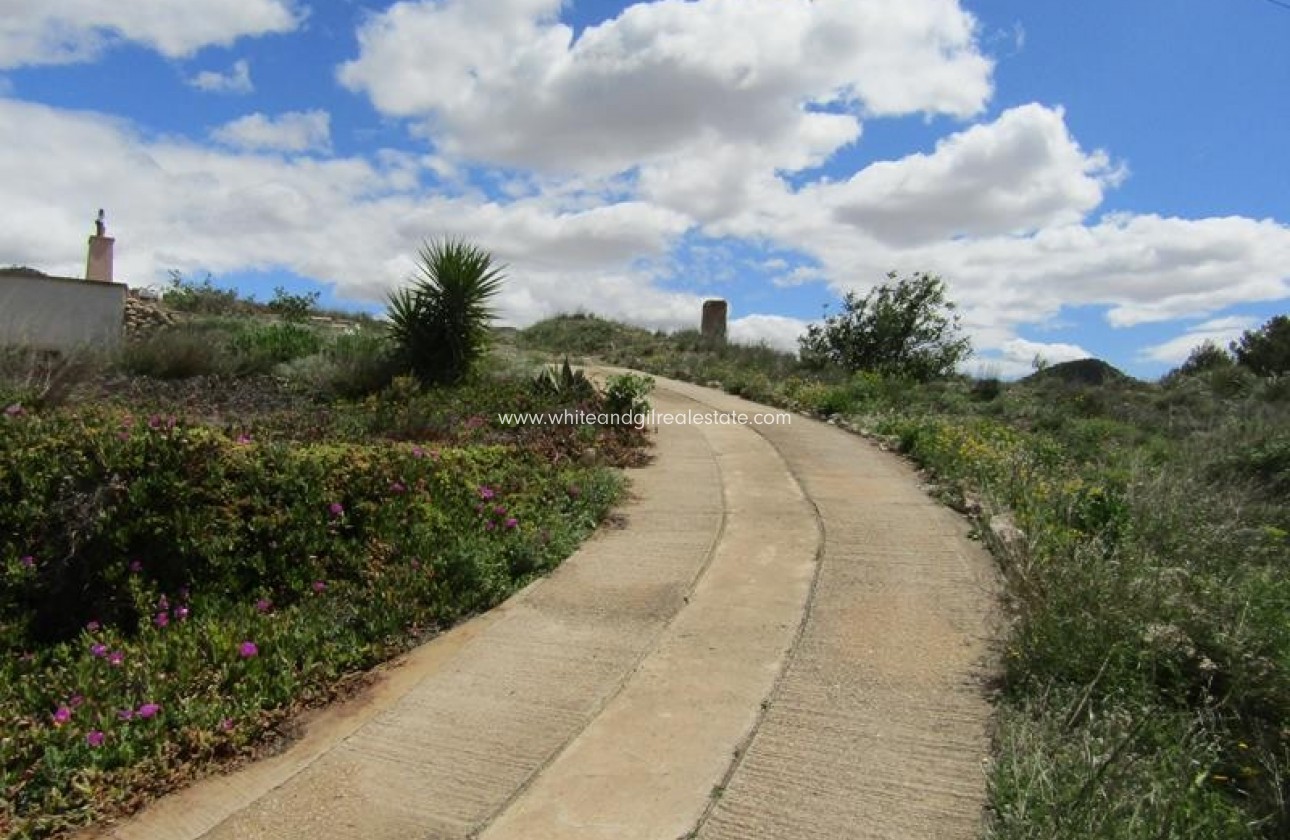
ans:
x=439 y=323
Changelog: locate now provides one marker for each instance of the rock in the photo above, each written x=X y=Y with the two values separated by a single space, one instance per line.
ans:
x=143 y=317
x=1006 y=533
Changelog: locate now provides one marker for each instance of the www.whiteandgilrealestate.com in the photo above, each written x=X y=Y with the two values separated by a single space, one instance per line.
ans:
x=650 y=418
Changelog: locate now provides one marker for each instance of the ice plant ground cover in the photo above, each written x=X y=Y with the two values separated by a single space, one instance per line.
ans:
x=177 y=580
x=1144 y=672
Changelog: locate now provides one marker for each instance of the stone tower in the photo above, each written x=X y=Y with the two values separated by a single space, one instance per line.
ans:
x=714 y=320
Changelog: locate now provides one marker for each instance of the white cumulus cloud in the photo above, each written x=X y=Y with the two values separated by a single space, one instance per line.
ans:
x=35 y=32
x=1220 y=331
x=236 y=80
x=354 y=223
x=294 y=131
x=506 y=81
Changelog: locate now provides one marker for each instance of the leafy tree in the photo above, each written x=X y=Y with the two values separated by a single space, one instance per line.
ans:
x=1266 y=351
x=292 y=307
x=904 y=328
x=439 y=324
x=1204 y=357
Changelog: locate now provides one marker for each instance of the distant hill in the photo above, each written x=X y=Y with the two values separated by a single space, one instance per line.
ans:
x=1081 y=372
x=580 y=333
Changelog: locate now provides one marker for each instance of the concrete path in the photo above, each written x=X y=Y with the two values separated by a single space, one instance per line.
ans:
x=784 y=641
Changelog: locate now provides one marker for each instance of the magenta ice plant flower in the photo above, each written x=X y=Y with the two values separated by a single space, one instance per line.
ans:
x=148 y=710
x=98 y=650
x=512 y=523
x=93 y=627
x=247 y=650
x=27 y=561
x=397 y=487
x=136 y=566
x=263 y=605
x=161 y=619
x=226 y=725
x=181 y=613
x=320 y=586
x=125 y=714
x=116 y=657
x=94 y=738
x=486 y=493
x=62 y=715
x=336 y=509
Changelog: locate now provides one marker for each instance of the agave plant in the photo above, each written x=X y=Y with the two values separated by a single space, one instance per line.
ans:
x=440 y=322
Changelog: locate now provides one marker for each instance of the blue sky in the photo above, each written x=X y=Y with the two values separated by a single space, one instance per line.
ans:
x=1097 y=178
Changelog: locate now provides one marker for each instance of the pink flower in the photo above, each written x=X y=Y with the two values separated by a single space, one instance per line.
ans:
x=98 y=650
x=418 y=452
x=125 y=714
x=148 y=710
x=226 y=725
x=512 y=524
x=320 y=586
x=136 y=567
x=499 y=511
x=490 y=525
x=94 y=738
x=263 y=605
x=181 y=613
x=336 y=509
x=486 y=493
x=116 y=657
x=76 y=700
x=27 y=561
x=247 y=650
x=93 y=627
x=62 y=715
x=398 y=487
x=161 y=619
x=243 y=439
x=14 y=410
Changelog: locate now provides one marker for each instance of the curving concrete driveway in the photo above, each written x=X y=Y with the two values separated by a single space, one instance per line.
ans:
x=785 y=641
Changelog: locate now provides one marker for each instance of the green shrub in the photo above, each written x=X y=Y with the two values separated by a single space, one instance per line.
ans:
x=203 y=298
x=626 y=394
x=206 y=585
x=567 y=384
x=905 y=329
x=176 y=353
x=1266 y=351
x=439 y=324
x=257 y=348
x=292 y=307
